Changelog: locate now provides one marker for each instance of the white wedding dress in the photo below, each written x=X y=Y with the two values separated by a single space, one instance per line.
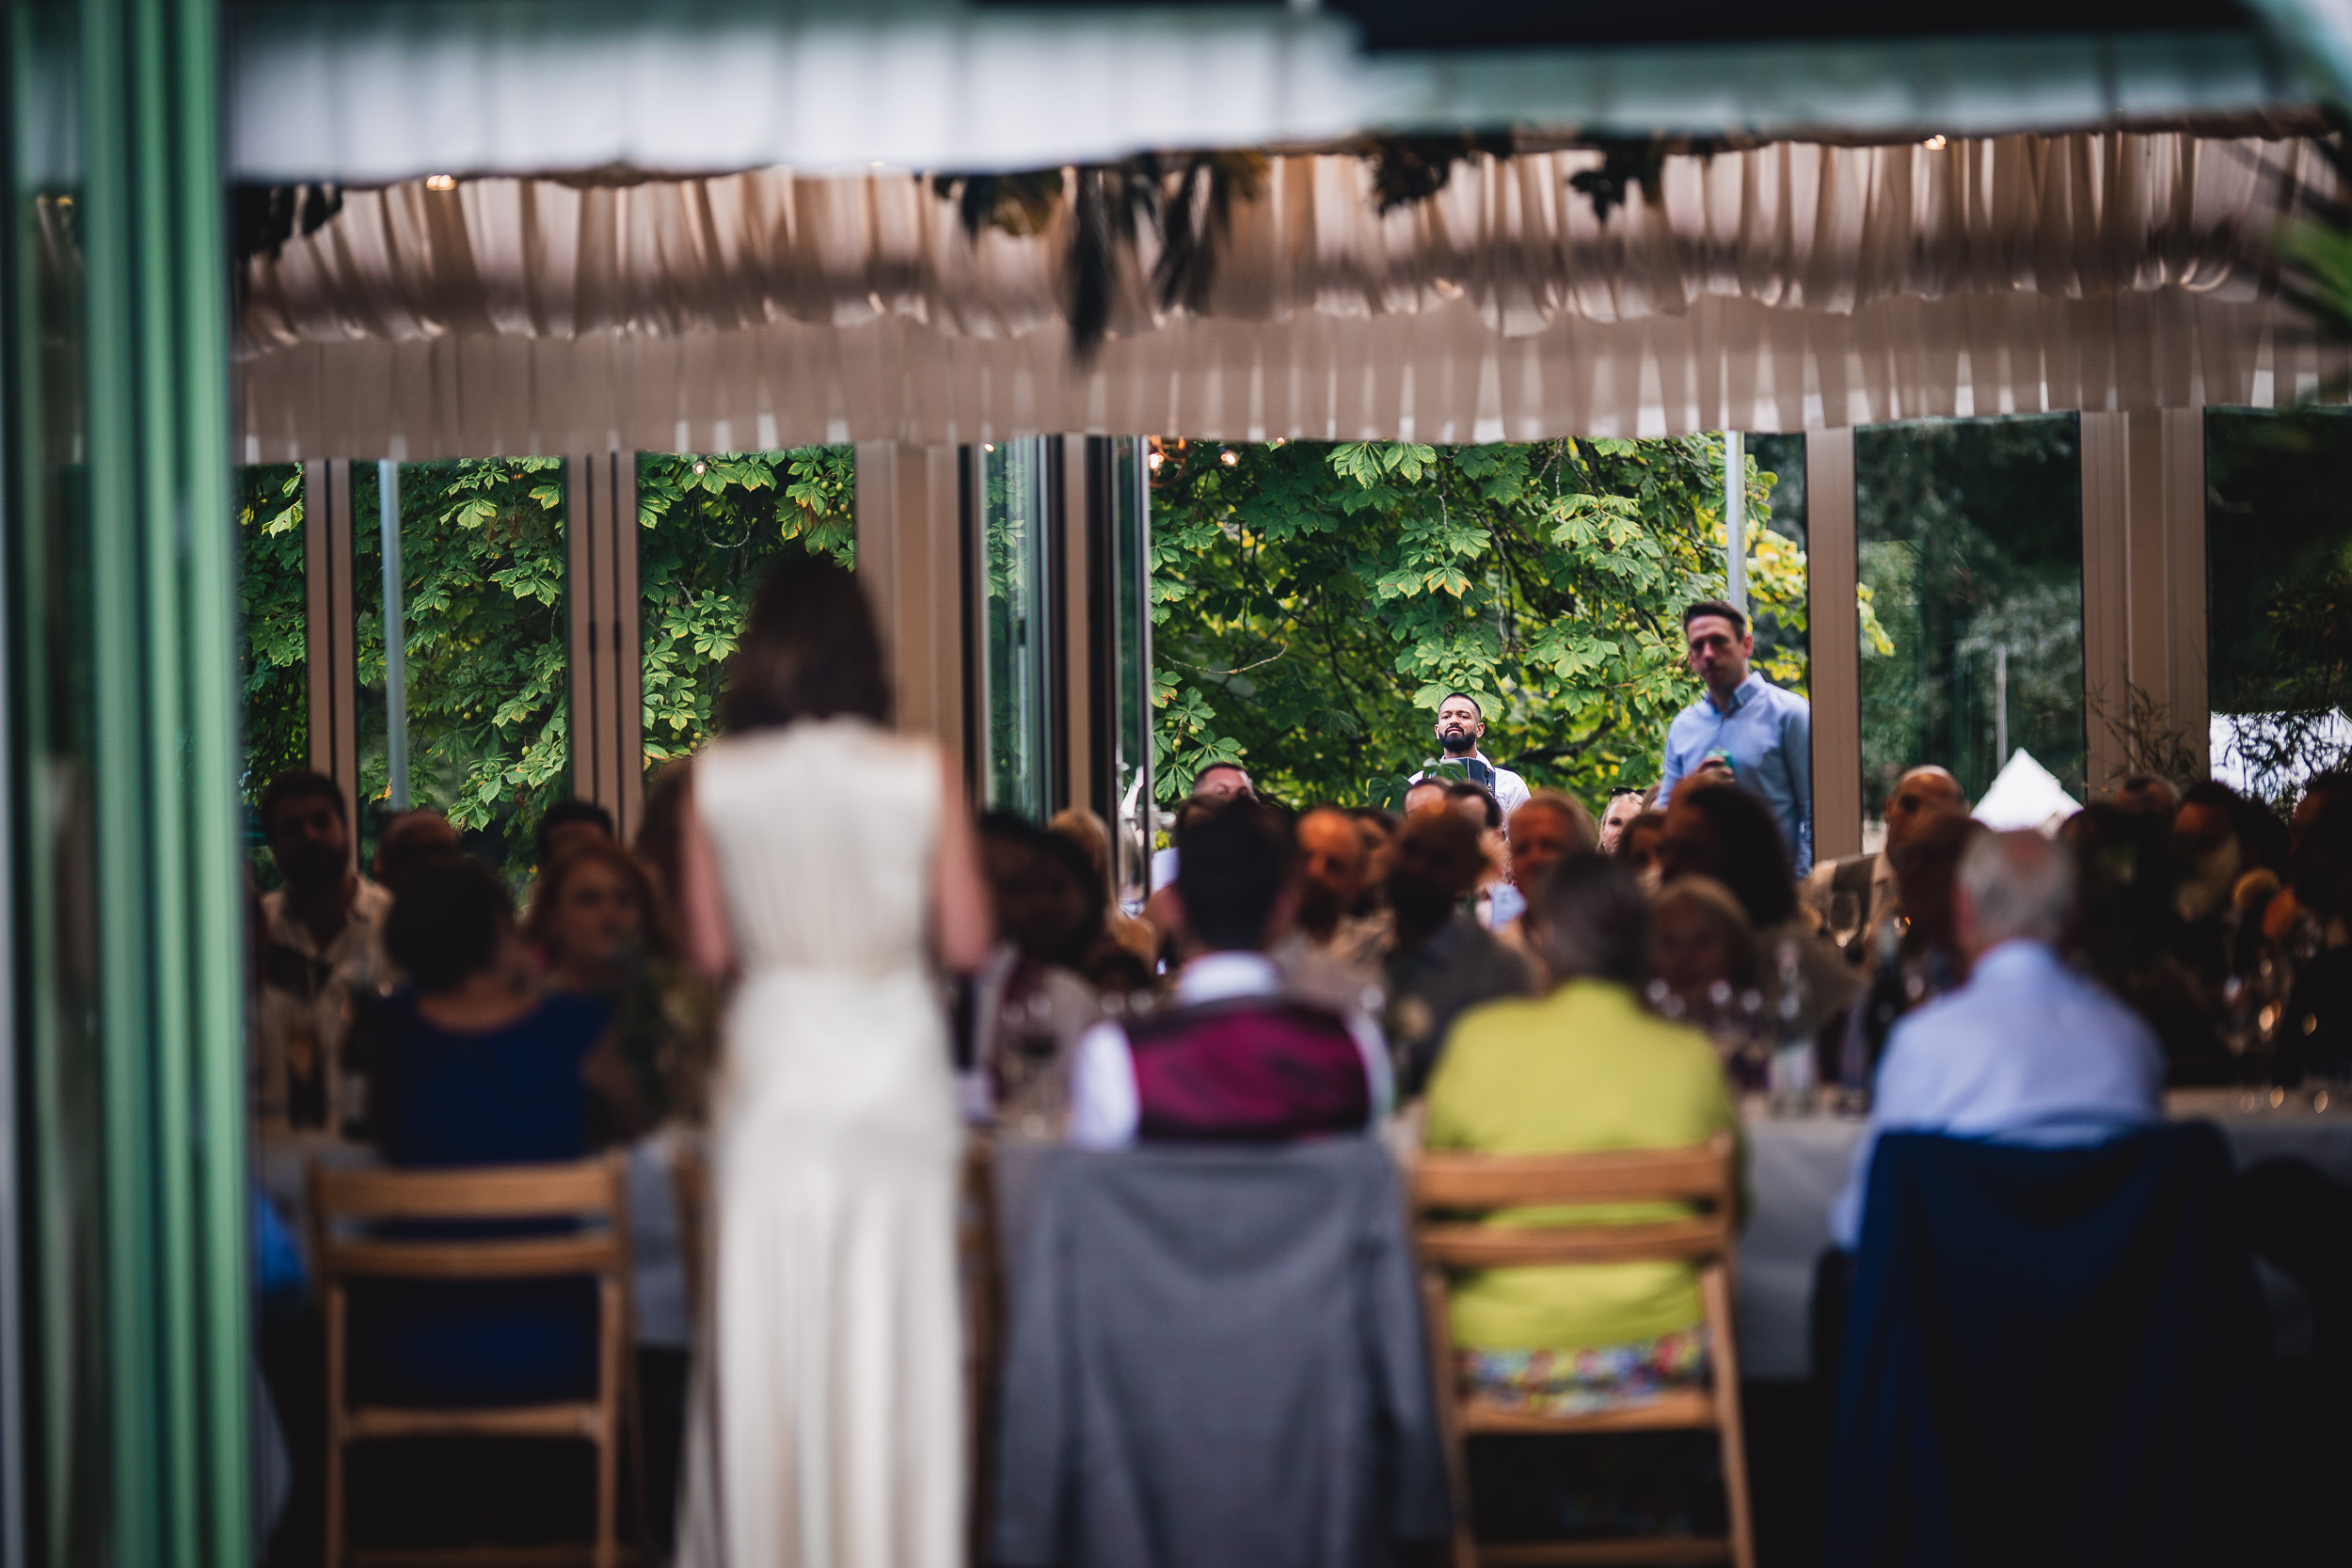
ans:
x=827 y=1428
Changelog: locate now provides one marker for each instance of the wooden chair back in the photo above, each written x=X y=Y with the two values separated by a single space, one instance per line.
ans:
x=689 y=1185
x=1449 y=1193
x=345 y=1207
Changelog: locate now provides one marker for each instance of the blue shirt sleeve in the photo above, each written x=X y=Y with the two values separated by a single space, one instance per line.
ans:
x=1796 y=750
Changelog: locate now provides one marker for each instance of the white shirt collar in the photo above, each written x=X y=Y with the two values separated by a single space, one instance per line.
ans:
x=1217 y=976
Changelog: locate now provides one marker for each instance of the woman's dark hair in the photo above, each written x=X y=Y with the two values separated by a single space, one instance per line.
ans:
x=445 y=926
x=1752 y=858
x=809 y=651
x=1596 y=920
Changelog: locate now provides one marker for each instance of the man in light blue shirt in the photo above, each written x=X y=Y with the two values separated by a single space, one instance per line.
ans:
x=2028 y=1050
x=1766 y=733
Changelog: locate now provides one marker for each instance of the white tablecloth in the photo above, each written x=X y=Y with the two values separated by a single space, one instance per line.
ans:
x=1797 y=1165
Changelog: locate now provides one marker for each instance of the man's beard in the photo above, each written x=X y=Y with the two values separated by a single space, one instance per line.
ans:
x=1319 y=906
x=1458 y=741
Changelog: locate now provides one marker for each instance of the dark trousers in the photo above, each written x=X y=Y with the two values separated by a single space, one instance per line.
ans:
x=2300 y=1221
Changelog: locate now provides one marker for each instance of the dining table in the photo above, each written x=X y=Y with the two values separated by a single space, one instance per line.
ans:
x=1797 y=1164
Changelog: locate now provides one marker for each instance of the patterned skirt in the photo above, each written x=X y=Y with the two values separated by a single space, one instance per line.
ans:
x=1587 y=1381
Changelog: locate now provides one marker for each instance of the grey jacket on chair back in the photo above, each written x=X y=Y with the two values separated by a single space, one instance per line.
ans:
x=1215 y=1356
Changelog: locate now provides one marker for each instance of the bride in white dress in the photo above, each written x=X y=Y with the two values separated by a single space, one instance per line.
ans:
x=828 y=865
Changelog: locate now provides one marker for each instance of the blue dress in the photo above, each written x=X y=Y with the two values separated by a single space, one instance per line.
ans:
x=507 y=1096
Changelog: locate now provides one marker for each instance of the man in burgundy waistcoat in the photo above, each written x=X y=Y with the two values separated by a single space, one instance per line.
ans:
x=1233 y=1061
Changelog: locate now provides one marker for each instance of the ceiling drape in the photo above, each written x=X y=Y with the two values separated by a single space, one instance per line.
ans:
x=1770 y=288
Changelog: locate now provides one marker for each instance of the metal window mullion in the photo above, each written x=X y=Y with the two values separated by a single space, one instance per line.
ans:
x=580 y=561
x=136 y=1386
x=627 y=684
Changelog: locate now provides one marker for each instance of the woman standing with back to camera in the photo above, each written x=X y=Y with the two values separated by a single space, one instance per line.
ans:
x=828 y=864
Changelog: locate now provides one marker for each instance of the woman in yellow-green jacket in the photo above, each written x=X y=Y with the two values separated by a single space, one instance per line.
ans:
x=1581 y=1069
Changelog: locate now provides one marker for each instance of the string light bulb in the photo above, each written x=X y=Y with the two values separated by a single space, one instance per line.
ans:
x=701 y=466
x=1155 y=460
x=1228 y=457
x=1934 y=143
x=988 y=446
x=441 y=181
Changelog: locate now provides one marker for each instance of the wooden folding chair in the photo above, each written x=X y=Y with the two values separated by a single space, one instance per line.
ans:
x=344 y=1205
x=1449 y=1187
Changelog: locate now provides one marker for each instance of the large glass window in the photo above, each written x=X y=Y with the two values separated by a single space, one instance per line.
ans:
x=275 y=662
x=482 y=616
x=1131 y=663
x=2278 y=579
x=1015 y=664
x=709 y=527
x=1969 y=543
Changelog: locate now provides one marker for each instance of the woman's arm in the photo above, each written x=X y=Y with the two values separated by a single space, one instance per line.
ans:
x=607 y=1075
x=963 y=930
x=709 y=947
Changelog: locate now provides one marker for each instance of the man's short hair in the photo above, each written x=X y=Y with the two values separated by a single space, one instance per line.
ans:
x=1595 y=921
x=1477 y=707
x=1237 y=861
x=563 y=813
x=299 y=783
x=1570 y=808
x=2020 y=884
x=1462 y=789
x=1716 y=607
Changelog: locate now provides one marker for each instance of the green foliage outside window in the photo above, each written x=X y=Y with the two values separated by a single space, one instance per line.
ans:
x=711 y=528
x=483 y=559
x=1312 y=603
x=274 y=667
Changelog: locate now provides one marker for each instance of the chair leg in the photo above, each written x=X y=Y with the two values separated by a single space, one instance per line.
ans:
x=1715 y=1291
x=613 y=1321
x=336 y=1329
x=1445 y=1391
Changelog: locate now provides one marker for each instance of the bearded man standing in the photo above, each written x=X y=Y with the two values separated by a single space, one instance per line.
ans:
x=1461 y=724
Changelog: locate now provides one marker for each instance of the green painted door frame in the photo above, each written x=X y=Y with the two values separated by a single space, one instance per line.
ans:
x=127 y=1055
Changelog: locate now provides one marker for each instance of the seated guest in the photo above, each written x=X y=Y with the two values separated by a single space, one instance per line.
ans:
x=1215 y=785
x=1029 y=1003
x=1090 y=834
x=1378 y=829
x=602 y=933
x=1626 y=802
x=1914 y=961
x=1865 y=884
x=569 y=822
x=2028 y=1050
x=479 y=1067
x=1582 y=1070
x=2147 y=794
x=1443 y=961
x=1722 y=831
x=1702 y=952
x=2131 y=936
x=1233 y=1060
x=1642 y=845
x=1331 y=886
x=1544 y=832
x=409 y=839
x=1421 y=796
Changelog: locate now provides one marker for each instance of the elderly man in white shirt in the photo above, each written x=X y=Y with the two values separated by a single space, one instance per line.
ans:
x=2028 y=1050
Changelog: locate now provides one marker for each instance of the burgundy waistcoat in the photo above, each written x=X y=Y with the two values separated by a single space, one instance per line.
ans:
x=1255 y=1070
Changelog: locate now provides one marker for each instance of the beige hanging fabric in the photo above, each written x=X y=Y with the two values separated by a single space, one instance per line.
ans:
x=1781 y=287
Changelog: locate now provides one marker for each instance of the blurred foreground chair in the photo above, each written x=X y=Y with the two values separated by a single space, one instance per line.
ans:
x=1213 y=1355
x=2052 y=1357
x=1448 y=1187
x=369 y=1228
